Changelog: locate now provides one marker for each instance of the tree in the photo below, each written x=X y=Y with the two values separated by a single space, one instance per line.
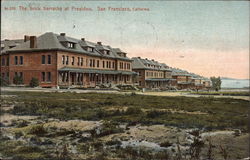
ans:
x=216 y=83
x=18 y=80
x=34 y=82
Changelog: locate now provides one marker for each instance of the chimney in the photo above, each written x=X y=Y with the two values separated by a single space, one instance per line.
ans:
x=83 y=39
x=152 y=59
x=139 y=57
x=62 y=34
x=26 y=38
x=33 y=42
x=99 y=43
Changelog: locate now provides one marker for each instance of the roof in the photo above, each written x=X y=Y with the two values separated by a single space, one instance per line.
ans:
x=52 y=41
x=7 y=44
x=97 y=71
x=140 y=63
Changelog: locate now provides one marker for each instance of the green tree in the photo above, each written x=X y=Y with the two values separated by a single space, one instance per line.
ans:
x=216 y=83
x=34 y=82
x=18 y=80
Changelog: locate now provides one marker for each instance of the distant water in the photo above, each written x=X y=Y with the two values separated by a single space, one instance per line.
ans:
x=234 y=83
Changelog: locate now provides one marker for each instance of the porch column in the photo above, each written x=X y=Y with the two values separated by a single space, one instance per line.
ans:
x=68 y=78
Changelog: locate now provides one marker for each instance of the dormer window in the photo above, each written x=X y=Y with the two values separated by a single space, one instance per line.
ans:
x=71 y=45
x=90 y=49
x=106 y=52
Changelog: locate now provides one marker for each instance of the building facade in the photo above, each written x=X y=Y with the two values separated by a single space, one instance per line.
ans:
x=59 y=60
x=152 y=74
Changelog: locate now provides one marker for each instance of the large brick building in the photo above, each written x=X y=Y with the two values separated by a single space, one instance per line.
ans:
x=152 y=74
x=59 y=60
x=186 y=80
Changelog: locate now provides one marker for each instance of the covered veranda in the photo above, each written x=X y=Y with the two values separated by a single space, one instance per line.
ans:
x=92 y=77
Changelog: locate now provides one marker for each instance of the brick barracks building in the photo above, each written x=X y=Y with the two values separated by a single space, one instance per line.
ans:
x=58 y=60
x=152 y=74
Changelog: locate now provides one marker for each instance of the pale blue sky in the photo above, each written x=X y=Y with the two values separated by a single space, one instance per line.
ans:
x=216 y=26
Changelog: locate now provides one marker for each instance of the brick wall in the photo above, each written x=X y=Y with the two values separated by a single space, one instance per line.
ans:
x=32 y=67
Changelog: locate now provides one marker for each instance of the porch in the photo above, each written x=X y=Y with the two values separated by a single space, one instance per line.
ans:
x=158 y=83
x=92 y=77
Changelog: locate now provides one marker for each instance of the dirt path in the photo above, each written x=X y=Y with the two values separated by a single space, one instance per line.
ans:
x=166 y=93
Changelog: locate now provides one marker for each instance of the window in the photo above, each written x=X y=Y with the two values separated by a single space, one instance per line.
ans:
x=71 y=45
x=97 y=63
x=78 y=61
x=128 y=66
x=106 y=52
x=73 y=61
x=109 y=64
x=103 y=64
x=8 y=75
x=113 y=65
x=81 y=61
x=16 y=60
x=63 y=59
x=93 y=63
x=67 y=60
x=43 y=76
x=43 y=59
x=16 y=74
x=128 y=78
x=21 y=60
x=48 y=76
x=21 y=74
x=3 y=76
x=8 y=61
x=49 y=59
x=90 y=62
x=90 y=49
x=3 y=61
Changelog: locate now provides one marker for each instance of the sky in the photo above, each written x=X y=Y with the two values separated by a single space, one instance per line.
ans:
x=210 y=38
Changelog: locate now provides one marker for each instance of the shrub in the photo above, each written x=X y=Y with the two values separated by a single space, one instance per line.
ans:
x=133 y=110
x=113 y=142
x=37 y=130
x=3 y=82
x=34 y=82
x=108 y=128
x=18 y=80
x=165 y=144
x=22 y=123
x=154 y=113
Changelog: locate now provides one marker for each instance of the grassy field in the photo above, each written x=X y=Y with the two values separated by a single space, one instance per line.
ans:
x=184 y=112
x=57 y=132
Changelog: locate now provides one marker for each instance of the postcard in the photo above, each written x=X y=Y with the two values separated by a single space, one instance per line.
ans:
x=124 y=80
